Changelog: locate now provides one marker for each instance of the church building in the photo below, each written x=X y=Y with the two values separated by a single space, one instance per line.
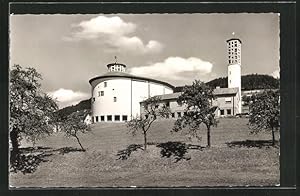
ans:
x=117 y=96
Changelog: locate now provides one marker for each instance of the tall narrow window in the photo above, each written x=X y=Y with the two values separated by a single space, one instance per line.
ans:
x=102 y=93
x=97 y=119
x=115 y=99
x=105 y=84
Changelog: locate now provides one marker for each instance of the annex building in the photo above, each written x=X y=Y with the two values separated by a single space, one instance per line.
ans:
x=117 y=95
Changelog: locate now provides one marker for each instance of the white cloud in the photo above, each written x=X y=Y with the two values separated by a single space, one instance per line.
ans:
x=276 y=74
x=67 y=97
x=175 y=68
x=113 y=32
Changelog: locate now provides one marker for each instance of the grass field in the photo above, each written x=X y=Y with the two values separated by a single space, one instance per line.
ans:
x=236 y=158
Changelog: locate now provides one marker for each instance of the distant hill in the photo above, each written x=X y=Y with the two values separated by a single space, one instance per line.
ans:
x=82 y=105
x=249 y=82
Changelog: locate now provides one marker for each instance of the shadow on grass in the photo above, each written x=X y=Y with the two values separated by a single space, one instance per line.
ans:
x=177 y=149
x=31 y=157
x=167 y=149
x=253 y=144
x=125 y=154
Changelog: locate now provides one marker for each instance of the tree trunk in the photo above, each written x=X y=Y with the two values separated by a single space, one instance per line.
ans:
x=273 y=137
x=145 y=140
x=15 y=145
x=208 y=137
x=79 y=143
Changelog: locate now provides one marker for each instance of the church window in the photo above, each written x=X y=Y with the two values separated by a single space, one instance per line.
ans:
x=102 y=118
x=97 y=118
x=229 y=112
x=124 y=117
x=102 y=93
x=117 y=117
x=178 y=114
x=109 y=118
x=105 y=84
x=115 y=99
x=222 y=112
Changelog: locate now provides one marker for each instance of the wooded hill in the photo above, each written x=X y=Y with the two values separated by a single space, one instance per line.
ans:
x=249 y=82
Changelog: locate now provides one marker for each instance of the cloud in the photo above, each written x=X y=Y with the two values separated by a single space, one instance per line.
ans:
x=114 y=33
x=67 y=97
x=175 y=68
x=276 y=74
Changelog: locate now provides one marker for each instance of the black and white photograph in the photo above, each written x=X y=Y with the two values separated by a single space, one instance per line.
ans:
x=144 y=100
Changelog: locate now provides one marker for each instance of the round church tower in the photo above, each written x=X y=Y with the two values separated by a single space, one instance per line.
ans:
x=234 y=46
x=116 y=95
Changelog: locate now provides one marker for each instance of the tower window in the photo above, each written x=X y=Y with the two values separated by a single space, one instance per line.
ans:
x=96 y=118
x=105 y=84
x=109 y=118
x=102 y=93
x=115 y=99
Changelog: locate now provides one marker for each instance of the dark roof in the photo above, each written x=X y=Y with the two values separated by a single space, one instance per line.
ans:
x=234 y=39
x=170 y=96
x=225 y=91
x=117 y=74
x=111 y=64
x=217 y=91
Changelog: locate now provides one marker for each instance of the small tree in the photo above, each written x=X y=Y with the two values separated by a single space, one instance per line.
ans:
x=73 y=124
x=31 y=110
x=265 y=112
x=152 y=110
x=198 y=101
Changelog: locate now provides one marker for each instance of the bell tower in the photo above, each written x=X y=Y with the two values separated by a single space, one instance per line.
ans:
x=234 y=47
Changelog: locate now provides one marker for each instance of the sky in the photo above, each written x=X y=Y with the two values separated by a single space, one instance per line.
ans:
x=69 y=50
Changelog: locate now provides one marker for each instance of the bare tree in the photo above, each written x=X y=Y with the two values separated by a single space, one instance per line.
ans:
x=152 y=111
x=74 y=124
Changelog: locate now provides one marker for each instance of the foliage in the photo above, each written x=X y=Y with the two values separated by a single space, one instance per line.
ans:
x=197 y=99
x=152 y=110
x=82 y=105
x=31 y=110
x=73 y=124
x=265 y=112
x=249 y=82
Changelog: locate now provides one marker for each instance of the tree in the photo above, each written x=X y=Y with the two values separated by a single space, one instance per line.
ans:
x=199 y=110
x=152 y=110
x=31 y=110
x=265 y=112
x=73 y=124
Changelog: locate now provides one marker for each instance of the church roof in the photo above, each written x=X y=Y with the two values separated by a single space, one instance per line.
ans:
x=118 y=74
x=216 y=92
x=225 y=91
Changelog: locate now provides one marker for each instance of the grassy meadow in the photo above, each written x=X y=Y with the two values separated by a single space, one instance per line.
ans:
x=114 y=158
